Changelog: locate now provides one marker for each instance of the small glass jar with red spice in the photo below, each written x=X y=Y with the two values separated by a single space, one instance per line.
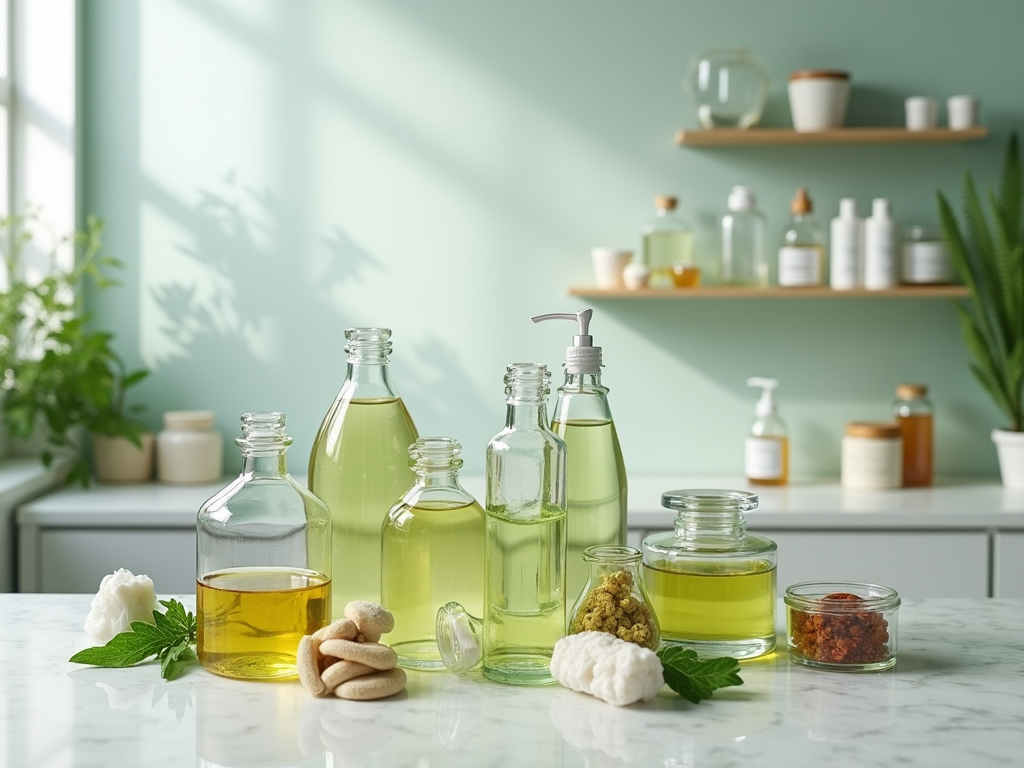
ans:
x=842 y=625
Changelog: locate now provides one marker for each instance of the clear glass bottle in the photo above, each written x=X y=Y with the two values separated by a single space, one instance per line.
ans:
x=743 y=232
x=728 y=87
x=263 y=562
x=596 y=485
x=766 y=453
x=915 y=416
x=711 y=585
x=432 y=552
x=802 y=254
x=359 y=463
x=614 y=581
x=668 y=247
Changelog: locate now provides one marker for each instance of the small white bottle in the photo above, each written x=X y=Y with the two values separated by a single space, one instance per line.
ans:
x=743 y=256
x=766 y=455
x=881 y=264
x=846 y=247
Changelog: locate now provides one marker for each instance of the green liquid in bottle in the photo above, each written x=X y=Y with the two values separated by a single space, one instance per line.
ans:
x=524 y=598
x=432 y=553
x=663 y=250
x=595 y=491
x=358 y=467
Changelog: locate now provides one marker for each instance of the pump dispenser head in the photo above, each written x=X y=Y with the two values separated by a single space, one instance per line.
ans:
x=766 y=403
x=582 y=356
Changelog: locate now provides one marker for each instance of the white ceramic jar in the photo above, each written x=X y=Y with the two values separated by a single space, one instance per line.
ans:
x=872 y=456
x=818 y=98
x=189 y=449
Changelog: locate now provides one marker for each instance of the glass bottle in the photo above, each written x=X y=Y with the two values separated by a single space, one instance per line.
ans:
x=263 y=562
x=359 y=463
x=743 y=258
x=432 y=552
x=802 y=255
x=728 y=87
x=711 y=585
x=596 y=489
x=614 y=580
x=914 y=414
x=668 y=247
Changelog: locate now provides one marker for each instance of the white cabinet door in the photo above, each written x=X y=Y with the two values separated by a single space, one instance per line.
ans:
x=74 y=560
x=1009 y=564
x=915 y=564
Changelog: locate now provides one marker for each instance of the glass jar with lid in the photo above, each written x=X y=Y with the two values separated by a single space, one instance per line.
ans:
x=712 y=585
x=263 y=562
x=614 y=599
x=728 y=87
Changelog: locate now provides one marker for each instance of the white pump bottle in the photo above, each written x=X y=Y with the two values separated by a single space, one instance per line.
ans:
x=766 y=459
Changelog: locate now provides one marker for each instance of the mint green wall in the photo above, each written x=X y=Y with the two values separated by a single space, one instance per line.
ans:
x=274 y=172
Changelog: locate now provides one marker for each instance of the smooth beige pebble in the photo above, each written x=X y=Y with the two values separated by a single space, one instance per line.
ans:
x=307 y=660
x=371 y=654
x=372 y=619
x=379 y=685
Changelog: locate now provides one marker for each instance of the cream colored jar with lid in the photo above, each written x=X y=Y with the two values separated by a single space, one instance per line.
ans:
x=189 y=449
x=872 y=456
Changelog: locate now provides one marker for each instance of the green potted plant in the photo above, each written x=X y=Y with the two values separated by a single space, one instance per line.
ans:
x=61 y=376
x=988 y=254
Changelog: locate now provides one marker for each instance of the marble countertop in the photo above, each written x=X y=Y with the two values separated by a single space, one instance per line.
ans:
x=954 y=698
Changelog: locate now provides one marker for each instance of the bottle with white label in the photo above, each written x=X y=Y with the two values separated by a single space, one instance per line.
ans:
x=766 y=459
x=846 y=245
x=802 y=255
x=880 y=260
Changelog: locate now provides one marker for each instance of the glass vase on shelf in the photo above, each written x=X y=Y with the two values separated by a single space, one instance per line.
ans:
x=728 y=87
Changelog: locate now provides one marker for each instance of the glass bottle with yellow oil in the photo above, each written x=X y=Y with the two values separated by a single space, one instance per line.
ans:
x=359 y=463
x=668 y=247
x=711 y=585
x=766 y=454
x=432 y=552
x=596 y=487
x=263 y=562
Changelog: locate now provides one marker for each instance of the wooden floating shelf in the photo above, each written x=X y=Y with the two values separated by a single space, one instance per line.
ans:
x=774 y=292
x=724 y=137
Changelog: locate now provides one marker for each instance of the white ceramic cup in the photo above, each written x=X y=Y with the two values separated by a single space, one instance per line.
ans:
x=608 y=266
x=962 y=112
x=922 y=113
x=818 y=98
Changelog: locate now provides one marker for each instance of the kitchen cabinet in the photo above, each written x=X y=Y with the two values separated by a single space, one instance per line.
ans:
x=1008 y=576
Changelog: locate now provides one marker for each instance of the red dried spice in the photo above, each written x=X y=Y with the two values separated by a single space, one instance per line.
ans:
x=850 y=637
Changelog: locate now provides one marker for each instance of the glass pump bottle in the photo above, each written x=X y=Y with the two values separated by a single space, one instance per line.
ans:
x=432 y=552
x=263 y=562
x=359 y=463
x=596 y=488
x=711 y=585
x=524 y=567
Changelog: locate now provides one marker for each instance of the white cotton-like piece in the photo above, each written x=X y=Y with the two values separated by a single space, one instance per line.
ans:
x=122 y=599
x=604 y=666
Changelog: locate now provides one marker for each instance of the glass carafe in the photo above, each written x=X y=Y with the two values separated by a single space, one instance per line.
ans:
x=359 y=463
x=432 y=552
x=711 y=585
x=614 y=599
x=263 y=562
x=728 y=87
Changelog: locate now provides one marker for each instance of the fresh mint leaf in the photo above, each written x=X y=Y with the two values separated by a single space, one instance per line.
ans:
x=170 y=639
x=696 y=679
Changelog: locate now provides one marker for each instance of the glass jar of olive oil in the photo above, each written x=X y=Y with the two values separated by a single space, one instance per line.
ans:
x=263 y=562
x=711 y=585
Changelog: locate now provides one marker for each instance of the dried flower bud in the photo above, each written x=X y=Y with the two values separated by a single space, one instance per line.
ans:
x=122 y=599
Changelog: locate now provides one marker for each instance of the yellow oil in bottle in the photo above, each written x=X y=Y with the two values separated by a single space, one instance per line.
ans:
x=663 y=250
x=714 y=606
x=595 y=494
x=250 y=620
x=432 y=554
x=524 y=596
x=358 y=467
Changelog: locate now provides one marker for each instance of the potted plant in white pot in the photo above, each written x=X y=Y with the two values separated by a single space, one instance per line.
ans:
x=61 y=376
x=988 y=255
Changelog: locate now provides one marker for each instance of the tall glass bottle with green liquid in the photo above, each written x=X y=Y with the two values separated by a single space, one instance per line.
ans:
x=359 y=464
x=595 y=472
x=432 y=552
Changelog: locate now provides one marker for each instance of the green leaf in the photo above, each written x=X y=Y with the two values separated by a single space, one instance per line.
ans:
x=697 y=679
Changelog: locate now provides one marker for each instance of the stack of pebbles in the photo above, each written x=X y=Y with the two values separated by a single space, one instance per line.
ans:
x=346 y=659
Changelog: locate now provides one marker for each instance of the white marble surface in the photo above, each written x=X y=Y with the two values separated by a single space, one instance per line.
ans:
x=955 y=698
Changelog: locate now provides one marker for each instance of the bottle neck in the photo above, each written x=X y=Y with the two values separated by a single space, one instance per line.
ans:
x=437 y=478
x=526 y=415
x=371 y=378
x=583 y=384
x=724 y=526
x=264 y=463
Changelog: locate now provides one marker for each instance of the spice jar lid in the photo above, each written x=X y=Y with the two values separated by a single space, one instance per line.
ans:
x=819 y=74
x=872 y=429
x=189 y=421
x=665 y=201
x=910 y=391
x=709 y=499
